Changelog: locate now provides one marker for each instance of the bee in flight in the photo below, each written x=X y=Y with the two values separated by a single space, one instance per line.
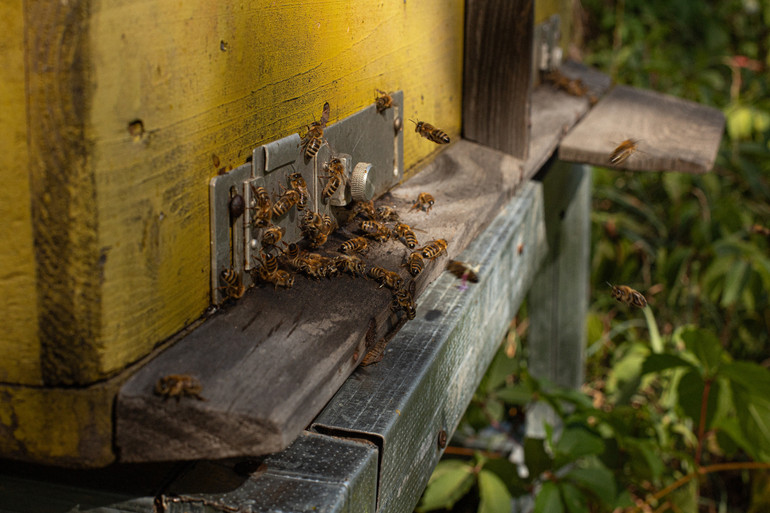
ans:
x=464 y=271
x=178 y=386
x=627 y=295
x=314 y=137
x=424 y=202
x=383 y=102
x=624 y=151
x=430 y=132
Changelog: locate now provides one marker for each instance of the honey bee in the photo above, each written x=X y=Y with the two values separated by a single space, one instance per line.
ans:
x=387 y=278
x=272 y=236
x=430 y=132
x=268 y=265
x=336 y=177
x=433 y=249
x=376 y=230
x=298 y=184
x=574 y=86
x=234 y=288
x=317 y=228
x=355 y=245
x=403 y=299
x=624 y=151
x=383 y=102
x=350 y=264
x=385 y=213
x=263 y=207
x=414 y=263
x=314 y=138
x=178 y=386
x=405 y=231
x=627 y=295
x=424 y=202
x=292 y=256
x=281 y=278
x=464 y=271
x=365 y=209
x=288 y=199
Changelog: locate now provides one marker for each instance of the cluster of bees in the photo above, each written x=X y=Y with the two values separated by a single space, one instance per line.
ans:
x=278 y=263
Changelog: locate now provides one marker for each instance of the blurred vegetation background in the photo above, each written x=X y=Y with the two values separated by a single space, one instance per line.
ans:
x=675 y=413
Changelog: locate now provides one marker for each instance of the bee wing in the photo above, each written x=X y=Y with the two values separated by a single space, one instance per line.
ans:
x=457 y=268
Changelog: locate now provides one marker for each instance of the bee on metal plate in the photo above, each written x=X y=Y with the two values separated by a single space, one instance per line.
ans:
x=424 y=202
x=298 y=184
x=336 y=176
x=262 y=205
x=355 y=245
x=178 y=386
x=272 y=236
x=434 y=248
x=414 y=263
x=234 y=288
x=464 y=271
x=285 y=201
x=405 y=232
x=627 y=295
x=314 y=138
x=624 y=151
x=383 y=102
x=430 y=132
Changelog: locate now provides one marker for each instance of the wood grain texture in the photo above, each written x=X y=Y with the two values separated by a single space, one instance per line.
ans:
x=673 y=134
x=497 y=77
x=19 y=343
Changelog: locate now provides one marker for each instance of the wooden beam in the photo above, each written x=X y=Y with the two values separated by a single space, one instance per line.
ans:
x=497 y=74
x=671 y=134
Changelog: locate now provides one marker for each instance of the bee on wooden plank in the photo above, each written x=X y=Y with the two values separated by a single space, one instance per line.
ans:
x=623 y=151
x=350 y=264
x=434 y=248
x=627 y=295
x=178 y=386
x=414 y=263
x=386 y=213
x=314 y=138
x=464 y=271
x=403 y=299
x=298 y=183
x=262 y=205
x=376 y=230
x=285 y=201
x=365 y=209
x=355 y=245
x=430 y=132
x=386 y=278
x=383 y=102
x=572 y=86
x=404 y=231
x=424 y=202
x=233 y=287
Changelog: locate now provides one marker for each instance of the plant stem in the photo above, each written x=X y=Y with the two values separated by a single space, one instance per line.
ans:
x=702 y=421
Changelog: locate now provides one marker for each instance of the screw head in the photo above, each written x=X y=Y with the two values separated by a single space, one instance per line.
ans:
x=398 y=124
x=442 y=439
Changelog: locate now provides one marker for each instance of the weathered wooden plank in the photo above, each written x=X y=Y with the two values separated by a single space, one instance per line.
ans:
x=672 y=134
x=498 y=74
x=19 y=344
x=558 y=298
x=300 y=344
x=434 y=364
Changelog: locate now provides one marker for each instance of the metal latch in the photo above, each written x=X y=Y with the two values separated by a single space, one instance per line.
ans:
x=369 y=146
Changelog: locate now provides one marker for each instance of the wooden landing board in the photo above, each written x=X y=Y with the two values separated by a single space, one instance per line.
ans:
x=272 y=361
x=672 y=134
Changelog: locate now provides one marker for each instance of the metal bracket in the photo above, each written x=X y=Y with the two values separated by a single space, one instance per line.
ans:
x=371 y=146
x=548 y=52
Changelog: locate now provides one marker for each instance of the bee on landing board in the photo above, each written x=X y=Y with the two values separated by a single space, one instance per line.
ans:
x=464 y=271
x=414 y=263
x=405 y=232
x=433 y=249
x=178 y=386
x=375 y=230
x=403 y=299
x=314 y=137
x=430 y=132
x=624 y=151
x=627 y=295
x=424 y=202
x=355 y=245
x=383 y=102
x=233 y=287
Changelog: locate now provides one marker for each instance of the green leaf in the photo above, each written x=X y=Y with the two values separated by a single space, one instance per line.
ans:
x=663 y=361
x=735 y=280
x=690 y=393
x=517 y=394
x=705 y=346
x=450 y=481
x=753 y=377
x=548 y=500
x=739 y=122
x=537 y=458
x=753 y=412
x=573 y=498
x=575 y=443
x=494 y=495
x=596 y=479
x=500 y=368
